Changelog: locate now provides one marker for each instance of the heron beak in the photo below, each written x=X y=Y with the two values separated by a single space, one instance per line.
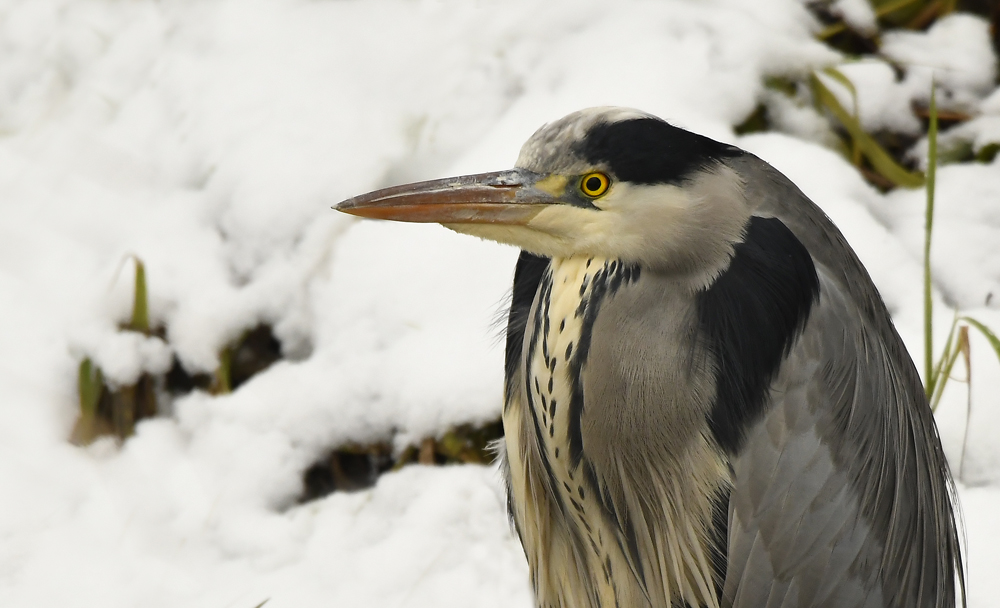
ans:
x=511 y=197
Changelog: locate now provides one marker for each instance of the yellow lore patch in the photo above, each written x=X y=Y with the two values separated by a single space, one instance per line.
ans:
x=553 y=184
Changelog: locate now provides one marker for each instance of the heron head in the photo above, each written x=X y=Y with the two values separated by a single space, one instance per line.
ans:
x=606 y=182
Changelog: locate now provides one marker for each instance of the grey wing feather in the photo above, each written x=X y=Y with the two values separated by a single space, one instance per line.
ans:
x=796 y=537
x=842 y=496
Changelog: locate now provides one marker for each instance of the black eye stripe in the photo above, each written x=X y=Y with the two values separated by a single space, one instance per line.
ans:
x=650 y=151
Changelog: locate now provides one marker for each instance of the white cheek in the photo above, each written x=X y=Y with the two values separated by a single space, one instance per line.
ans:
x=568 y=222
x=644 y=221
x=630 y=223
x=553 y=236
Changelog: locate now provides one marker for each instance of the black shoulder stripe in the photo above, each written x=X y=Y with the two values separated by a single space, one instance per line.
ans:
x=650 y=150
x=527 y=276
x=749 y=319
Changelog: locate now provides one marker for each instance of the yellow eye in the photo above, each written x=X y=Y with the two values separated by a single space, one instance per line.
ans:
x=594 y=184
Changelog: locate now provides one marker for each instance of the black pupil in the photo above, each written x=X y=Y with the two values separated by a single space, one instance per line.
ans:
x=593 y=184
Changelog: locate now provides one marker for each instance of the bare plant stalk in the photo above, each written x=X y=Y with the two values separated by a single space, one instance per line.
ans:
x=928 y=228
x=963 y=340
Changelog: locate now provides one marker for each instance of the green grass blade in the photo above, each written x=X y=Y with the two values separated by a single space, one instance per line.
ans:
x=90 y=387
x=883 y=9
x=876 y=154
x=932 y=380
x=880 y=11
x=846 y=82
x=948 y=358
x=140 y=302
x=928 y=231
x=89 y=384
x=987 y=153
x=222 y=384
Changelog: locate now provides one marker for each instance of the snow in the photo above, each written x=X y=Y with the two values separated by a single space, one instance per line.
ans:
x=956 y=51
x=979 y=132
x=209 y=139
x=882 y=102
x=858 y=14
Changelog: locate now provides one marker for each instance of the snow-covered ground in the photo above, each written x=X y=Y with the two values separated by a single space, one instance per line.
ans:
x=210 y=138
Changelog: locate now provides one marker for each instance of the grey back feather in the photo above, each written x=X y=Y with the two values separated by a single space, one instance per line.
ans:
x=848 y=405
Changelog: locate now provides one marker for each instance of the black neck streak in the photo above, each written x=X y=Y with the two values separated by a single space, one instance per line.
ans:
x=750 y=317
x=607 y=280
x=541 y=310
x=527 y=276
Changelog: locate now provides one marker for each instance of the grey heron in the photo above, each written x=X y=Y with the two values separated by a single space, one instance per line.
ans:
x=706 y=402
